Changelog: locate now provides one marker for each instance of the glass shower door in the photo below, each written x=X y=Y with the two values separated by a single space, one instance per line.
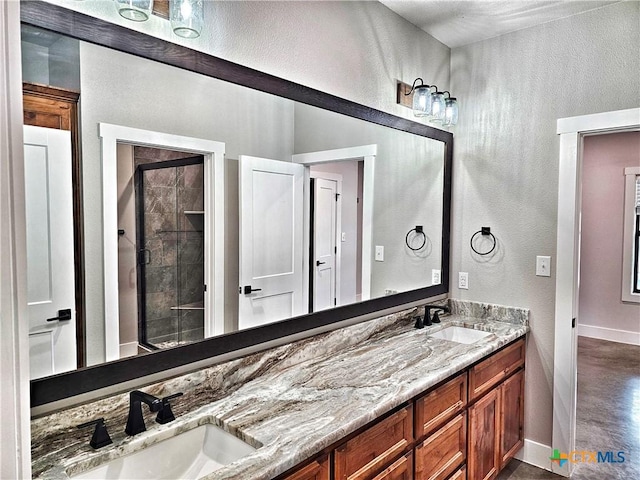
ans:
x=170 y=216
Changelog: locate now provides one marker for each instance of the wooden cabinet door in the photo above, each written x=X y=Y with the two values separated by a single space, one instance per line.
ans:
x=401 y=469
x=511 y=417
x=483 y=456
x=316 y=470
x=366 y=454
x=443 y=452
x=460 y=474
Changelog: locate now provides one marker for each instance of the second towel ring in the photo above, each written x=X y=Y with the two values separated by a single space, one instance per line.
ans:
x=417 y=229
x=483 y=231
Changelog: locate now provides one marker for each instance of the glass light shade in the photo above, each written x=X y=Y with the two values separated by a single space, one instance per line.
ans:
x=136 y=10
x=421 y=101
x=450 y=112
x=187 y=17
x=437 y=107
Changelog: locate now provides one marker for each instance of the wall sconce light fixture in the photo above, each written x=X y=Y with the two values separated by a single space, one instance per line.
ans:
x=186 y=16
x=427 y=103
x=135 y=10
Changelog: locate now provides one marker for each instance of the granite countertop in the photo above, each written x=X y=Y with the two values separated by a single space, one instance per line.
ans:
x=319 y=400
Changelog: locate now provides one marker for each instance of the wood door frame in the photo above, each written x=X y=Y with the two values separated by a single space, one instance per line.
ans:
x=70 y=98
x=338 y=264
x=571 y=131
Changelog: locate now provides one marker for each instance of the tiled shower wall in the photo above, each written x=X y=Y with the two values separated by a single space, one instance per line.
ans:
x=174 y=273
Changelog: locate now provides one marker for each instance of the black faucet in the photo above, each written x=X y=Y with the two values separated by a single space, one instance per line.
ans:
x=428 y=319
x=135 y=421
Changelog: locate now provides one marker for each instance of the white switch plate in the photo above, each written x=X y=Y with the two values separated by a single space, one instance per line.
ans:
x=543 y=266
x=463 y=280
x=379 y=253
x=435 y=276
x=344 y=237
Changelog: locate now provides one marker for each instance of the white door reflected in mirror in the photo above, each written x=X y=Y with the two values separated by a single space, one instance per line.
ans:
x=50 y=254
x=271 y=240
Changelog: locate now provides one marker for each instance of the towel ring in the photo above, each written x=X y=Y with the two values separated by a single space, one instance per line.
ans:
x=483 y=231
x=417 y=229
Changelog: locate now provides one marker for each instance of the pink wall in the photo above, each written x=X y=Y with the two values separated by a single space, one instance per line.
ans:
x=605 y=158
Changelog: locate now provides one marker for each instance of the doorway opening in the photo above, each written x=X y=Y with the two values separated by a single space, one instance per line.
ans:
x=161 y=250
x=335 y=268
x=572 y=132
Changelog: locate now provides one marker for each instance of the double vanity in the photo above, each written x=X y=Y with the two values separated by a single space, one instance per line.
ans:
x=380 y=399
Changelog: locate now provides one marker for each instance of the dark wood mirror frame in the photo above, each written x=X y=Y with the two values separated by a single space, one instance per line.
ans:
x=100 y=32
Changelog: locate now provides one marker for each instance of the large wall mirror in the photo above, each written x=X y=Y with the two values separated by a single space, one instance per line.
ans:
x=223 y=207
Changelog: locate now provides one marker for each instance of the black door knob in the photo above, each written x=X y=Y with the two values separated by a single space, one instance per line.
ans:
x=62 y=315
x=318 y=263
x=248 y=289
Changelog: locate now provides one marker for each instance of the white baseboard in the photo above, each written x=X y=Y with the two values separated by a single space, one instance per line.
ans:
x=535 y=454
x=610 y=334
x=128 y=349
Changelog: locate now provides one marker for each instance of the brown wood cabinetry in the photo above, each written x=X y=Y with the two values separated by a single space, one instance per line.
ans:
x=484 y=424
x=467 y=428
x=511 y=417
x=443 y=452
x=366 y=454
x=439 y=405
x=460 y=474
x=496 y=419
x=317 y=470
x=488 y=373
x=401 y=469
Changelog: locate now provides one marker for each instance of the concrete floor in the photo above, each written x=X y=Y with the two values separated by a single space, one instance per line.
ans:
x=608 y=413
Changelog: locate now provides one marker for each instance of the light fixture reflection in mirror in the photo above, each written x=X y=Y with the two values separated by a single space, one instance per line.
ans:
x=135 y=10
x=187 y=17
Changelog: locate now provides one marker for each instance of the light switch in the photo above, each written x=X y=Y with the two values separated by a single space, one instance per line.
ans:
x=543 y=266
x=344 y=237
x=435 y=276
x=379 y=253
x=463 y=280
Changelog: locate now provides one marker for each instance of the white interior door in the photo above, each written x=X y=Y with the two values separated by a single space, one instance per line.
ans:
x=325 y=201
x=271 y=241
x=50 y=255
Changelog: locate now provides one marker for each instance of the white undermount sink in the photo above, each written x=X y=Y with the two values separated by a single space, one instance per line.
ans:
x=460 y=334
x=189 y=455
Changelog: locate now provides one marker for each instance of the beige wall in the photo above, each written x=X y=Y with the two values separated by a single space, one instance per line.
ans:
x=604 y=159
x=512 y=89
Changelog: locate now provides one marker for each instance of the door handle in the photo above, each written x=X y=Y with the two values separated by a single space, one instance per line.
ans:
x=62 y=315
x=248 y=289
x=318 y=263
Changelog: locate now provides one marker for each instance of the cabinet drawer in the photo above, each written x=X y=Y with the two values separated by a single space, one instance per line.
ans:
x=443 y=452
x=316 y=470
x=366 y=454
x=489 y=372
x=401 y=469
x=460 y=474
x=440 y=405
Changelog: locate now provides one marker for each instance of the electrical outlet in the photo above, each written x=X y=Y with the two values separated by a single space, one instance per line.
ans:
x=543 y=266
x=379 y=253
x=463 y=280
x=435 y=276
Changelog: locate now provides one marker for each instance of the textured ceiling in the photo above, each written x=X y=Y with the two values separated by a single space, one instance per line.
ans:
x=456 y=23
